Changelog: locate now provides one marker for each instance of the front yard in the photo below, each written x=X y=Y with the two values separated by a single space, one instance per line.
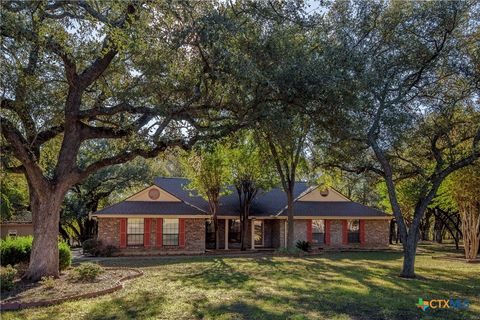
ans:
x=355 y=285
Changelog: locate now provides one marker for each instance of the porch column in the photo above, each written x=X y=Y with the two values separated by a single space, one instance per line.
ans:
x=252 y=232
x=285 y=229
x=226 y=234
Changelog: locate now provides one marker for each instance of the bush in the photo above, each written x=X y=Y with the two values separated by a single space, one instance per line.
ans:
x=304 y=245
x=88 y=271
x=97 y=248
x=48 y=282
x=15 y=250
x=64 y=255
x=7 y=275
x=91 y=246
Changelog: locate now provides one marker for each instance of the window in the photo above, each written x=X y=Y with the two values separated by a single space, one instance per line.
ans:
x=135 y=232
x=353 y=231
x=170 y=232
x=234 y=231
x=318 y=231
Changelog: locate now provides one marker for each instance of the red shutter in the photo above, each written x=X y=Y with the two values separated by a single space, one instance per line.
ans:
x=309 y=231
x=146 y=232
x=123 y=232
x=345 y=231
x=159 y=233
x=181 y=232
x=327 y=232
x=362 y=231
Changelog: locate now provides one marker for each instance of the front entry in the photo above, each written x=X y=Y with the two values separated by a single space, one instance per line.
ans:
x=209 y=234
x=259 y=238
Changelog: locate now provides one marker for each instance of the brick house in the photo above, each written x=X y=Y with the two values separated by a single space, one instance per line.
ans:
x=167 y=218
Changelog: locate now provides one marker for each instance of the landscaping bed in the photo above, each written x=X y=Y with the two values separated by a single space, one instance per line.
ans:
x=67 y=287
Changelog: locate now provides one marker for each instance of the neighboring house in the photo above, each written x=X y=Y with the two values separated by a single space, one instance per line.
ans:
x=168 y=218
x=19 y=225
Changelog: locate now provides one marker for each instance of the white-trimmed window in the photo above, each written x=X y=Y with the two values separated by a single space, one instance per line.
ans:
x=135 y=230
x=318 y=231
x=170 y=232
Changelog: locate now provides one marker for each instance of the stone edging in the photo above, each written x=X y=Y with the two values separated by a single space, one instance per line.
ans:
x=10 y=306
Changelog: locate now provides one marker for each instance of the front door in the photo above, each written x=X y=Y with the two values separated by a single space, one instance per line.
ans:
x=258 y=225
x=209 y=234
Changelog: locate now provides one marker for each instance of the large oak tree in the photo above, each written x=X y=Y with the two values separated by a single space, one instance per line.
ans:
x=75 y=74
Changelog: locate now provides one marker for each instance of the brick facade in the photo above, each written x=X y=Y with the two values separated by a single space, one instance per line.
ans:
x=108 y=233
x=376 y=235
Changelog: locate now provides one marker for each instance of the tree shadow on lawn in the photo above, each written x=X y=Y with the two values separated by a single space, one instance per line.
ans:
x=141 y=305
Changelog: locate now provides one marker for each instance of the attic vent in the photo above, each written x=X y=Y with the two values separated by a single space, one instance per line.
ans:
x=154 y=194
x=324 y=193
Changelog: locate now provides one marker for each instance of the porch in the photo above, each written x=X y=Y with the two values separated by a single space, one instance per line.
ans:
x=265 y=235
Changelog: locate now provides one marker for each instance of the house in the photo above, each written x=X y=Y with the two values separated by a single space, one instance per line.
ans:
x=18 y=225
x=167 y=218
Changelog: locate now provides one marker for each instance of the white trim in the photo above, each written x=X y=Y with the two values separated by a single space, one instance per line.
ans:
x=167 y=216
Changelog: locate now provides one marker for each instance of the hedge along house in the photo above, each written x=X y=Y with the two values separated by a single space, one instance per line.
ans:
x=167 y=218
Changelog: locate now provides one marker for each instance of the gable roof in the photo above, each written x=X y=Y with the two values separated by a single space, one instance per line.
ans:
x=272 y=203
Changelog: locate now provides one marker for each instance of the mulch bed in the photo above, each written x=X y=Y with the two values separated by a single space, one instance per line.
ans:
x=66 y=287
x=456 y=258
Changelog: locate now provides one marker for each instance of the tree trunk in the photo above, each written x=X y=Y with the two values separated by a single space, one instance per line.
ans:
x=438 y=229
x=409 y=252
x=44 y=255
x=290 y=221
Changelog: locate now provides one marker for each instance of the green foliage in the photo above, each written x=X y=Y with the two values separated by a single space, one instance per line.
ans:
x=96 y=248
x=88 y=271
x=48 y=282
x=5 y=208
x=7 y=275
x=65 y=255
x=207 y=169
x=304 y=245
x=15 y=250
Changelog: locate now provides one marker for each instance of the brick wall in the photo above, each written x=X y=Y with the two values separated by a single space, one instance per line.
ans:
x=377 y=233
x=109 y=233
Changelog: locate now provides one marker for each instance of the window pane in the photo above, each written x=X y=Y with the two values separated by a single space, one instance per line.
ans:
x=318 y=237
x=353 y=237
x=170 y=232
x=135 y=232
x=353 y=226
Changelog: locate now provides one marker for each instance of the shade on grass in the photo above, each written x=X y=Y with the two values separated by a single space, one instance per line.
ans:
x=360 y=285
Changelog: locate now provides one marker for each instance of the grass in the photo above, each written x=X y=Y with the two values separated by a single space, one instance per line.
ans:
x=355 y=285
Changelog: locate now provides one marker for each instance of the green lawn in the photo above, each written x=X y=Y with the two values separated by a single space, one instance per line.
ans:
x=357 y=285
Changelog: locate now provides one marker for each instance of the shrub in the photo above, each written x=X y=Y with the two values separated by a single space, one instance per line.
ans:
x=97 y=248
x=48 y=282
x=304 y=245
x=109 y=250
x=15 y=250
x=91 y=246
x=7 y=275
x=64 y=255
x=88 y=271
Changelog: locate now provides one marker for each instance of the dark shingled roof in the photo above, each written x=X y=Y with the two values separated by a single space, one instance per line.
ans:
x=332 y=209
x=147 y=207
x=270 y=203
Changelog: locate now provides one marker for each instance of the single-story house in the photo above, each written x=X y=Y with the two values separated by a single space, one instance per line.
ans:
x=18 y=225
x=168 y=218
